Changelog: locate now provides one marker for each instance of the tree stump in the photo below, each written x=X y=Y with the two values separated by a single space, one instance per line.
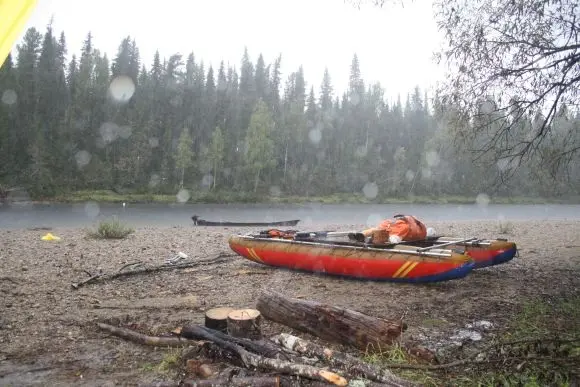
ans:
x=217 y=318
x=245 y=323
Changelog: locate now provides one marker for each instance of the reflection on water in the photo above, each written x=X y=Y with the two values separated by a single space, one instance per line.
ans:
x=141 y=215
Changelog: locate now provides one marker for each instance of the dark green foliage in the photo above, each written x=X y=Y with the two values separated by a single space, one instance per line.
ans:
x=88 y=122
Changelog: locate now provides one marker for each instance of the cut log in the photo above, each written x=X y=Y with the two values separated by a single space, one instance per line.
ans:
x=244 y=323
x=217 y=318
x=330 y=323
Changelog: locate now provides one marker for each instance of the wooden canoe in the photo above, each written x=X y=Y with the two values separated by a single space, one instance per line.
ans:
x=405 y=264
x=285 y=223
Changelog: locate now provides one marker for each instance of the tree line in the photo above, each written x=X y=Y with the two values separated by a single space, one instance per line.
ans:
x=90 y=122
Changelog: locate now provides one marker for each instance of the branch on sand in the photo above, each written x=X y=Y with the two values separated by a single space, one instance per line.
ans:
x=251 y=360
x=258 y=381
x=221 y=257
x=140 y=338
x=264 y=348
x=339 y=360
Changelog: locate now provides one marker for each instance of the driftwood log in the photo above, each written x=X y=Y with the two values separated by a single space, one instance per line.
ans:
x=217 y=318
x=244 y=323
x=330 y=323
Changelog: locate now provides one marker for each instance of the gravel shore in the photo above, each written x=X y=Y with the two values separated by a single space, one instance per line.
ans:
x=47 y=330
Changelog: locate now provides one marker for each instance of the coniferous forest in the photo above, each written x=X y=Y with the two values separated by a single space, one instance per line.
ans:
x=84 y=121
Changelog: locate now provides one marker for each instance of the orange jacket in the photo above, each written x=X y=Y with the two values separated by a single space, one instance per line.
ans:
x=406 y=227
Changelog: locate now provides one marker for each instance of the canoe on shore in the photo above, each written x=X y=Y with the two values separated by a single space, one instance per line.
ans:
x=285 y=223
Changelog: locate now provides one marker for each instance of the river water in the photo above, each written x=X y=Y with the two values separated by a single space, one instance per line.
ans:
x=164 y=215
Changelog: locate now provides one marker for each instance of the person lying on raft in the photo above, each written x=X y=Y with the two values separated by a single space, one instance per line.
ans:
x=400 y=228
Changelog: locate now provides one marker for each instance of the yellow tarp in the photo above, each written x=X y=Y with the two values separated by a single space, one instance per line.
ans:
x=13 y=17
x=50 y=237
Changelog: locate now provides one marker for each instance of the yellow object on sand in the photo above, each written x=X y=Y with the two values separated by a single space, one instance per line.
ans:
x=13 y=16
x=50 y=237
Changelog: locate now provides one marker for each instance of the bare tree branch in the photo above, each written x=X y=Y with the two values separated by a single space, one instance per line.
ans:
x=521 y=57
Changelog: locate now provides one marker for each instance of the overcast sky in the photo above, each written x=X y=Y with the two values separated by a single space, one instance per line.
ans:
x=394 y=44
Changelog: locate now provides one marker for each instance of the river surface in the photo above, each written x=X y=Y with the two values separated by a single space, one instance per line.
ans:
x=167 y=215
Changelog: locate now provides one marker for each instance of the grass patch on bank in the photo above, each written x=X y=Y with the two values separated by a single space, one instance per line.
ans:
x=540 y=347
x=170 y=361
x=110 y=229
x=543 y=317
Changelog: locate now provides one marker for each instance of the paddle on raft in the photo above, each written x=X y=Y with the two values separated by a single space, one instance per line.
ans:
x=357 y=236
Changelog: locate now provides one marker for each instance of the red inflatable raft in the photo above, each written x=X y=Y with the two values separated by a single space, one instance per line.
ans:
x=397 y=263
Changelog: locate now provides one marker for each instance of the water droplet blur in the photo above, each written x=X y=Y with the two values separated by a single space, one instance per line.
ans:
x=154 y=180
x=153 y=142
x=207 y=180
x=354 y=98
x=486 y=107
x=125 y=131
x=19 y=197
x=92 y=209
x=327 y=117
x=409 y=175
x=426 y=173
x=176 y=101
x=502 y=164
x=183 y=195
x=432 y=158
x=275 y=191
x=100 y=143
x=227 y=171
x=307 y=221
x=482 y=200
x=361 y=151
x=122 y=89
x=9 y=97
x=371 y=190
x=374 y=220
x=83 y=158
x=109 y=132
x=315 y=135
x=320 y=155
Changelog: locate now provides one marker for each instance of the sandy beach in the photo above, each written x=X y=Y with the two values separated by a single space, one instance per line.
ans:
x=48 y=334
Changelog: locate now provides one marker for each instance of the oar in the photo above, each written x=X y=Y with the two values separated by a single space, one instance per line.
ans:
x=358 y=236
x=436 y=246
